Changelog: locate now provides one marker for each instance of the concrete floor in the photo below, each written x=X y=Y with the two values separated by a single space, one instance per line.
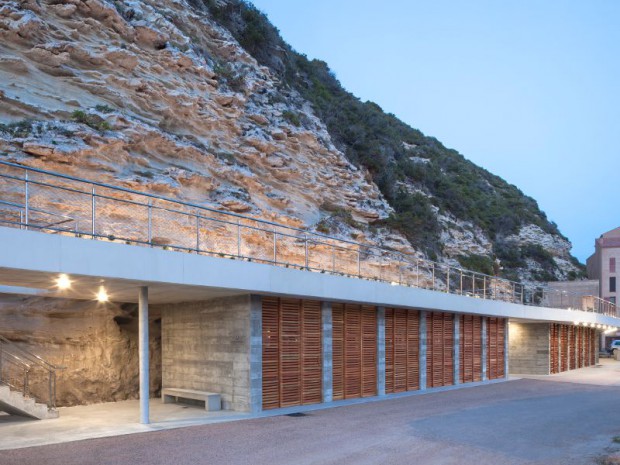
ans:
x=565 y=419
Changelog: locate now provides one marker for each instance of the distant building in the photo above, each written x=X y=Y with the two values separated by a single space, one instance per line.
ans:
x=602 y=264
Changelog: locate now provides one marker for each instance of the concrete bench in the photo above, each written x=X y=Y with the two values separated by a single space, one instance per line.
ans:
x=213 y=401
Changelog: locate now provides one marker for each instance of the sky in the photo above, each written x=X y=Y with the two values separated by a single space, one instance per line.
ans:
x=528 y=89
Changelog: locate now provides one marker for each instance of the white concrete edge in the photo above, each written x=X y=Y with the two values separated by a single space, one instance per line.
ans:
x=139 y=266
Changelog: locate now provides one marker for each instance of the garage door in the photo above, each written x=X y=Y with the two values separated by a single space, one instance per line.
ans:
x=496 y=335
x=470 y=348
x=402 y=350
x=354 y=349
x=292 y=352
x=439 y=349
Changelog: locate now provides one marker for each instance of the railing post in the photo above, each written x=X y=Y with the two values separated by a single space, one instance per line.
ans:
x=27 y=201
x=25 y=390
x=417 y=272
x=359 y=261
x=433 y=288
x=93 y=204
x=333 y=259
x=473 y=284
x=275 y=247
x=400 y=271
x=306 y=248
x=484 y=287
x=238 y=238
x=150 y=221
x=197 y=234
x=448 y=280
x=461 y=290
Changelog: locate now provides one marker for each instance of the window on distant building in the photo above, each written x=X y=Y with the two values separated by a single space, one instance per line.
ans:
x=612 y=264
x=612 y=284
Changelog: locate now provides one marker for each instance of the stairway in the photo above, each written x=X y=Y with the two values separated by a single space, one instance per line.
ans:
x=17 y=367
x=14 y=403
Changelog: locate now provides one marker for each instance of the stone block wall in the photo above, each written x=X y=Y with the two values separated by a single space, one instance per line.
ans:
x=206 y=346
x=528 y=348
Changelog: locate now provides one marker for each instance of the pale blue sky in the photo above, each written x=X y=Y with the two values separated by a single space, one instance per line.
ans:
x=528 y=89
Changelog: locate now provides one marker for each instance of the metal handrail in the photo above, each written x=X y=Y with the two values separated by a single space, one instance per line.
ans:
x=26 y=361
x=354 y=259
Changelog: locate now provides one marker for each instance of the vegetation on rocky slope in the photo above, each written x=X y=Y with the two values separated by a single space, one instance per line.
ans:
x=416 y=173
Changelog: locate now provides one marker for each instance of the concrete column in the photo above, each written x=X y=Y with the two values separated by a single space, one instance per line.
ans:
x=422 y=350
x=143 y=352
x=457 y=349
x=484 y=348
x=256 y=354
x=507 y=345
x=381 y=351
x=328 y=376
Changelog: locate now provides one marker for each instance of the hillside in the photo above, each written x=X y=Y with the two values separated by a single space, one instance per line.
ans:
x=204 y=101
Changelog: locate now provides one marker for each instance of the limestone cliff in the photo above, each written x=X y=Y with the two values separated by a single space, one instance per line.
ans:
x=159 y=96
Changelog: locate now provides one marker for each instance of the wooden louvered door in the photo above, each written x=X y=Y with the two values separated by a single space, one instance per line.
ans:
x=563 y=347
x=553 y=349
x=572 y=339
x=292 y=352
x=354 y=349
x=402 y=350
x=439 y=349
x=496 y=335
x=470 y=362
x=580 y=332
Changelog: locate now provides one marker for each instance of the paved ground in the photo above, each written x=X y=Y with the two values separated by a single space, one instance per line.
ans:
x=528 y=421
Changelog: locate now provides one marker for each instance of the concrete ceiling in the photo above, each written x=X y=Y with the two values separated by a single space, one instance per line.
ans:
x=86 y=288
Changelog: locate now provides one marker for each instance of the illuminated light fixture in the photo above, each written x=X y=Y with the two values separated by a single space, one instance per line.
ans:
x=576 y=323
x=102 y=295
x=394 y=283
x=63 y=282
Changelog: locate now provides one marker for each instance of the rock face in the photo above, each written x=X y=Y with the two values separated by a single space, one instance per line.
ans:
x=155 y=96
x=97 y=344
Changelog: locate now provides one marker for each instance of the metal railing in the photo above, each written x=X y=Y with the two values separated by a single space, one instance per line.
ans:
x=18 y=368
x=56 y=203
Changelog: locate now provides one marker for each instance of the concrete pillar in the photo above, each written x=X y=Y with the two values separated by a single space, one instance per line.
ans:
x=143 y=352
x=507 y=345
x=256 y=354
x=484 y=348
x=328 y=375
x=422 y=350
x=381 y=351
x=456 y=361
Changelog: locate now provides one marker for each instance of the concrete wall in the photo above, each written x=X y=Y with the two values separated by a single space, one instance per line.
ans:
x=528 y=348
x=206 y=346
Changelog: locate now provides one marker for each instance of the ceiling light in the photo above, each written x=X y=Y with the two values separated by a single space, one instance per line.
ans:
x=63 y=281
x=102 y=295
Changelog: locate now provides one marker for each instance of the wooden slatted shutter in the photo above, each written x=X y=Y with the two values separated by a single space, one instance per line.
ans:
x=312 y=353
x=440 y=349
x=563 y=348
x=470 y=361
x=496 y=352
x=413 y=350
x=292 y=352
x=338 y=351
x=572 y=340
x=271 y=354
x=580 y=347
x=402 y=350
x=354 y=351
x=553 y=349
x=369 y=351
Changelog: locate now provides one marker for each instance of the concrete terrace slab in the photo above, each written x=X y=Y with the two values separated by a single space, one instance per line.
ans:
x=181 y=277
